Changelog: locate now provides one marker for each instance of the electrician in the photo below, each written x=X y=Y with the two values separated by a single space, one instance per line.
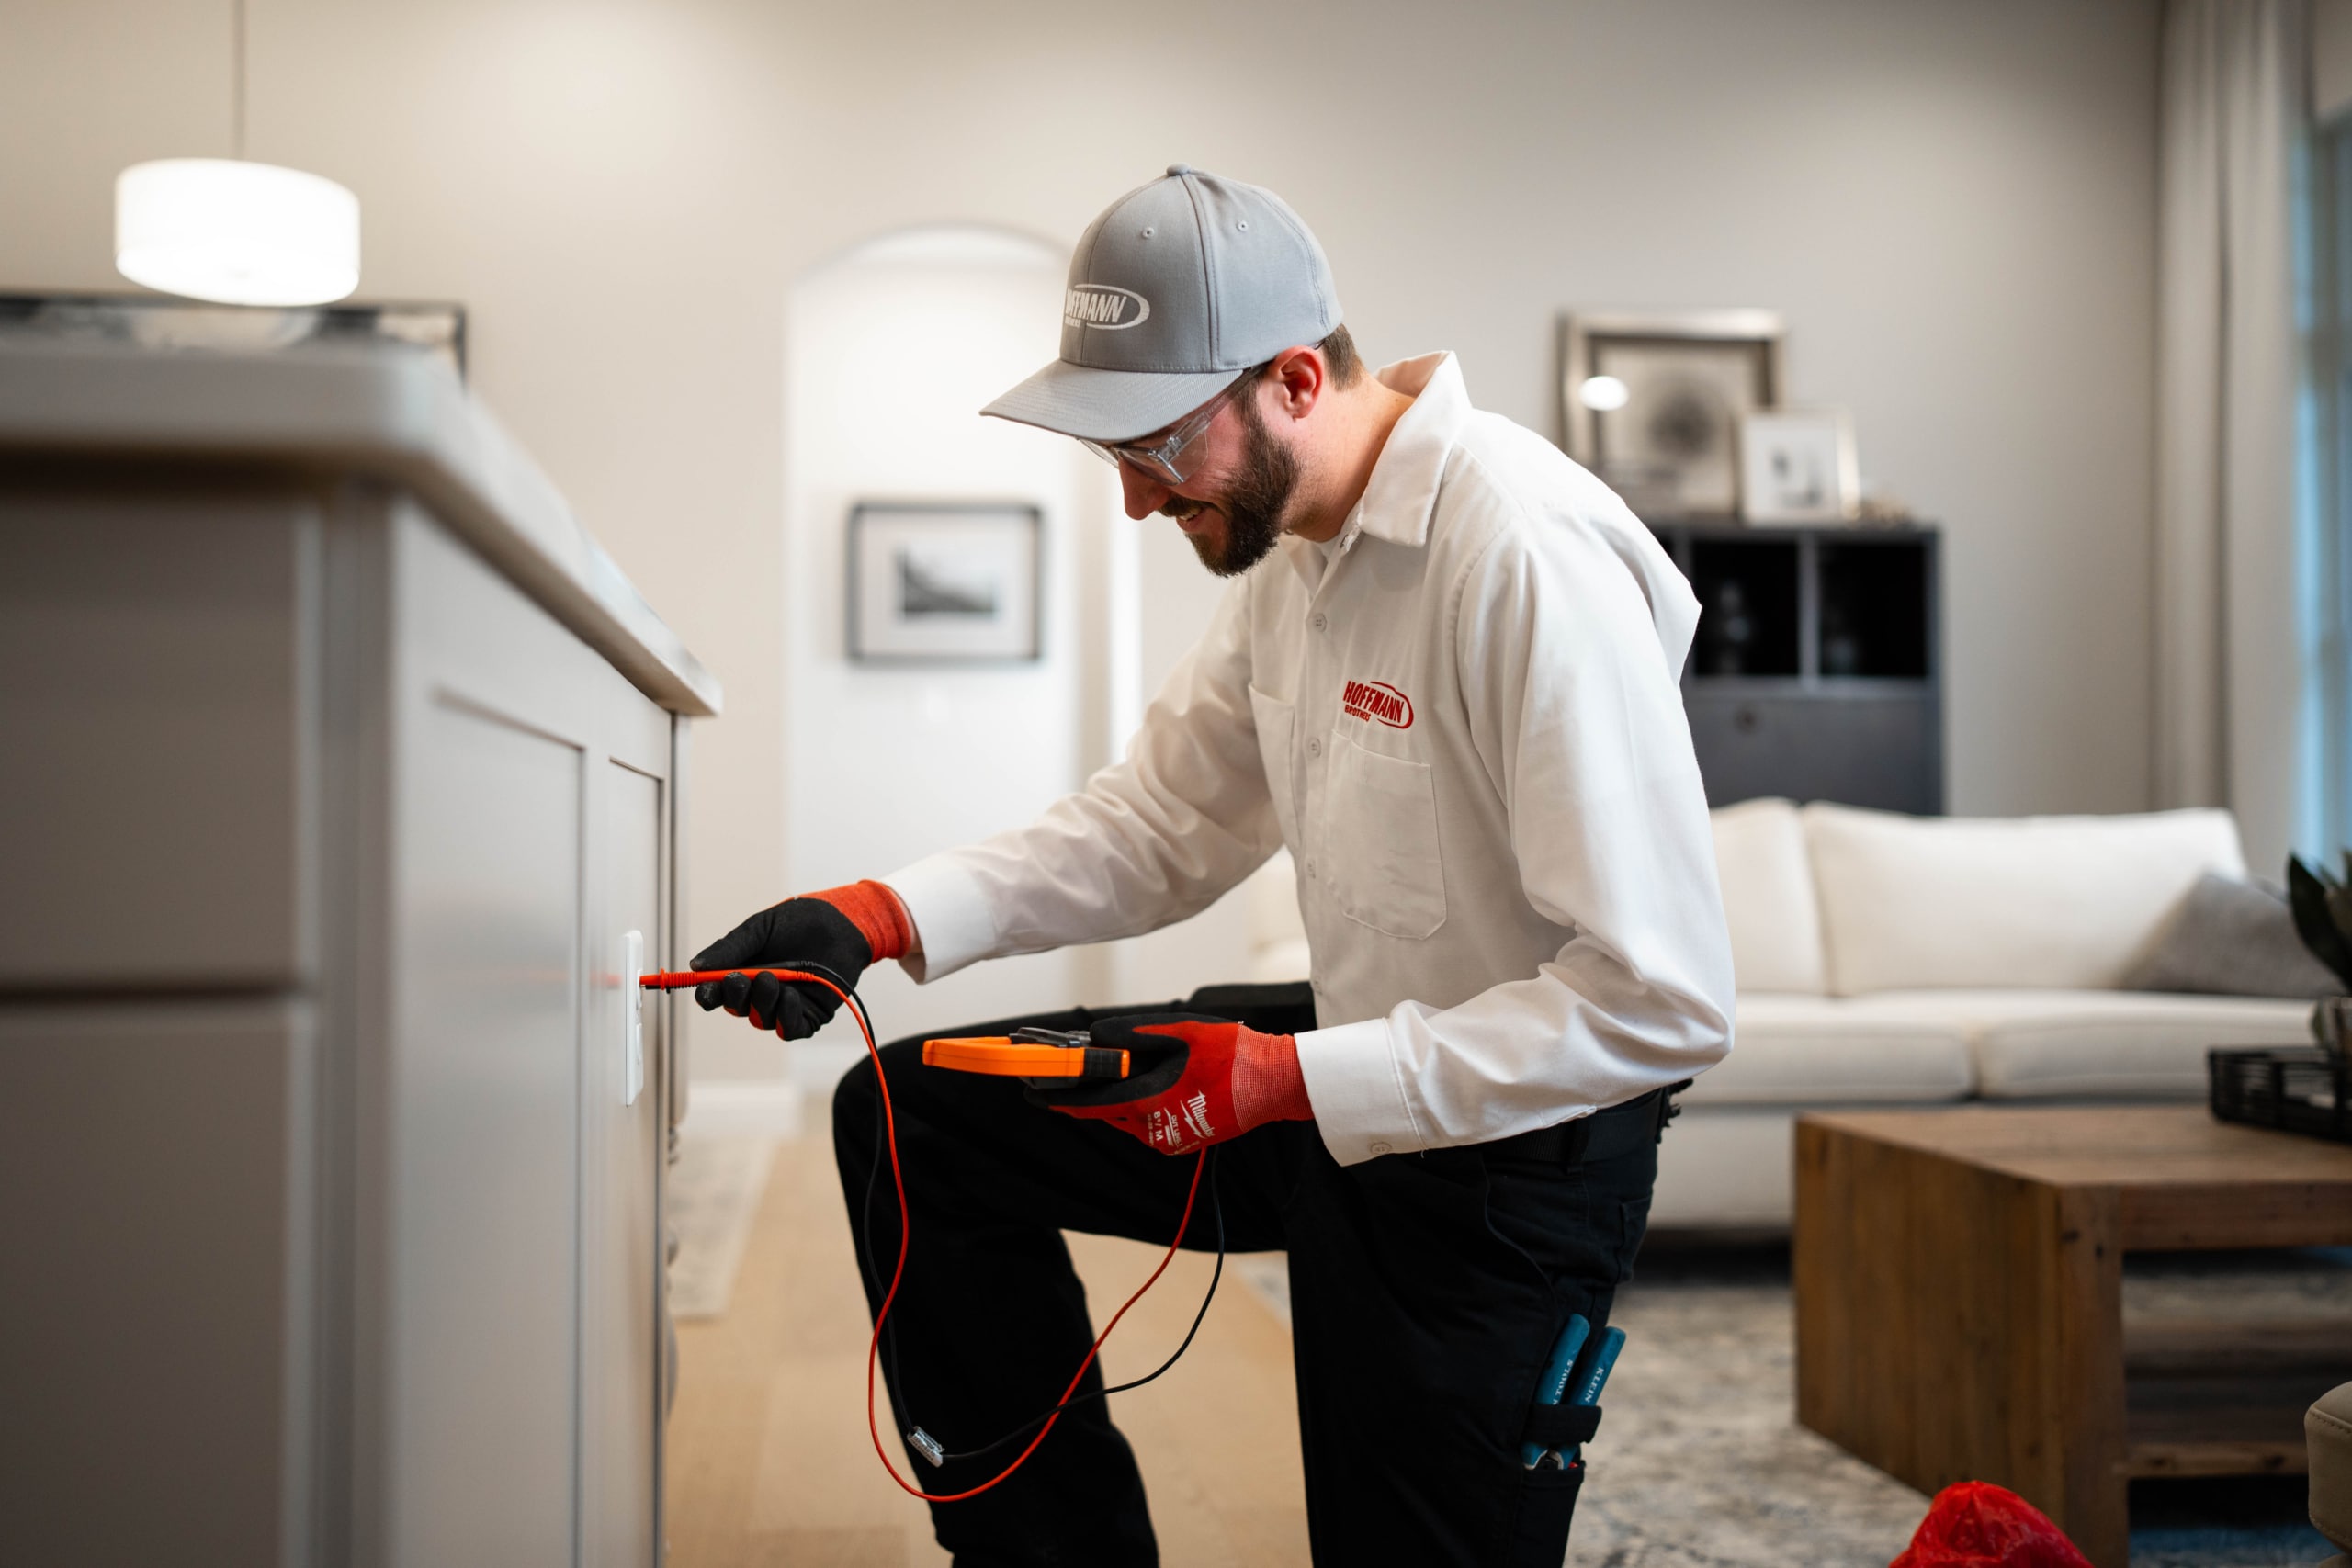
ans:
x=1445 y=675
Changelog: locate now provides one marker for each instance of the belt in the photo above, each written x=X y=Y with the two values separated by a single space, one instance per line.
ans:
x=1604 y=1134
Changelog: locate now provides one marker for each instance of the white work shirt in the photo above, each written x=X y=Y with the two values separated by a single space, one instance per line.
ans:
x=1465 y=724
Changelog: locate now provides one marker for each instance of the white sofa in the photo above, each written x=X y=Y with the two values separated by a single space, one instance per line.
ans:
x=1899 y=961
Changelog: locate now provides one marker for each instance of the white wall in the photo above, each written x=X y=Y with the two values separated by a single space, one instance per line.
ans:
x=889 y=350
x=884 y=764
x=1952 y=202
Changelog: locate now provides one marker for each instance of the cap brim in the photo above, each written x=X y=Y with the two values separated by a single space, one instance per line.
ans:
x=1108 y=405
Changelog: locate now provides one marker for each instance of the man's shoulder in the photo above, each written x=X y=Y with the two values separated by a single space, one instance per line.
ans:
x=1507 y=486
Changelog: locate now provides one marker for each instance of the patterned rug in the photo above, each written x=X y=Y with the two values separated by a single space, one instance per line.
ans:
x=1701 y=1464
x=714 y=1195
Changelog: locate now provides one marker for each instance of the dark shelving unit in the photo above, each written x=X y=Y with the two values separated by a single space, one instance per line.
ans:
x=1816 y=673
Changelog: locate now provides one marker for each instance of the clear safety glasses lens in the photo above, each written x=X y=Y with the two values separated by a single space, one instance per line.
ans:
x=1148 y=459
x=1169 y=459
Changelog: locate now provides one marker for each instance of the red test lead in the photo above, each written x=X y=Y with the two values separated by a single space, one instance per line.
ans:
x=678 y=979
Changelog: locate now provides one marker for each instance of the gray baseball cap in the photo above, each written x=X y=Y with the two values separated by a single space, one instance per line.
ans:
x=1174 y=291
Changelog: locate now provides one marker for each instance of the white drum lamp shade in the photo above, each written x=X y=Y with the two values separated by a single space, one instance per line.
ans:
x=235 y=233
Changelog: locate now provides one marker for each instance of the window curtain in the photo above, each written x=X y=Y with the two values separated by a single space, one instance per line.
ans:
x=2230 y=685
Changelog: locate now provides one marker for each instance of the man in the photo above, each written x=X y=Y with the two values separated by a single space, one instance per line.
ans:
x=1454 y=698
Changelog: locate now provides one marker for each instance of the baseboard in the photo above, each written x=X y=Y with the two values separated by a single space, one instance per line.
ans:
x=743 y=1108
x=817 y=1066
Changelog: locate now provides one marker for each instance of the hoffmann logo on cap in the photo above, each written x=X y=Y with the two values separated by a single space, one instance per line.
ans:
x=1101 y=305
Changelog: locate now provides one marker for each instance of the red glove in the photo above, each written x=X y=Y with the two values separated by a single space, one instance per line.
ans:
x=1192 y=1081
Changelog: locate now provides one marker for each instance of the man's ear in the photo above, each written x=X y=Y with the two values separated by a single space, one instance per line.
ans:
x=1299 y=379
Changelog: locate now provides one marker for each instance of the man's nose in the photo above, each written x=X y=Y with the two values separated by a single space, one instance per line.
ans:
x=1145 y=495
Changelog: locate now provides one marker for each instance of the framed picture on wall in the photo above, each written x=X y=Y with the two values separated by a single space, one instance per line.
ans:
x=945 y=582
x=1797 y=465
x=1652 y=402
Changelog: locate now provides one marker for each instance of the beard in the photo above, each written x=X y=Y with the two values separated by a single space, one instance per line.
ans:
x=1253 y=504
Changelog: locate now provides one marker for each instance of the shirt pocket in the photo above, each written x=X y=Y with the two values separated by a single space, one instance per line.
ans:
x=1381 y=857
x=1275 y=725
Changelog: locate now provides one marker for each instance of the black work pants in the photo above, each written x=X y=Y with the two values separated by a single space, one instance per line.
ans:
x=1427 y=1291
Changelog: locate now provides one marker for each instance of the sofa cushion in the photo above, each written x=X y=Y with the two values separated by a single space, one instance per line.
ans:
x=2105 y=1044
x=2065 y=902
x=2232 y=939
x=1767 y=898
x=1818 y=1050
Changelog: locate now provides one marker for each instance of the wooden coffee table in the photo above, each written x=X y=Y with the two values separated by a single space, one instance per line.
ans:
x=1958 y=1291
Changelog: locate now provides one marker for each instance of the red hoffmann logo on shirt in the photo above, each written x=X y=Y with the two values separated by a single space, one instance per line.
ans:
x=1377 y=700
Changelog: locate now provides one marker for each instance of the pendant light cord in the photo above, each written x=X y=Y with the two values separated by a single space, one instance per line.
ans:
x=237 y=80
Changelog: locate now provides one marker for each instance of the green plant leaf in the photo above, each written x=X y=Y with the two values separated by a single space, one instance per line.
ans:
x=2311 y=895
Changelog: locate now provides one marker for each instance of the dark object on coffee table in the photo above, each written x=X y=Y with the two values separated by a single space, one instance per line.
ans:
x=2298 y=1088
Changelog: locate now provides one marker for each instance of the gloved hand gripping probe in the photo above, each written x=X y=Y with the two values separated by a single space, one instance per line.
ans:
x=1045 y=1057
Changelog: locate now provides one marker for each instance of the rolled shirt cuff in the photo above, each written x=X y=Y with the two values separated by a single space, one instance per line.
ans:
x=954 y=926
x=1358 y=1099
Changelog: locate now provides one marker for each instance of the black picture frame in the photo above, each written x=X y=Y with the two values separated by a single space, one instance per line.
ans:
x=1672 y=449
x=934 y=583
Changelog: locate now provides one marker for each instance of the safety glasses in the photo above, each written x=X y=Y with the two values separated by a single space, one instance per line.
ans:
x=1170 y=459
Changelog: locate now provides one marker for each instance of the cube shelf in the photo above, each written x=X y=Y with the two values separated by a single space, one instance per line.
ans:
x=1815 y=673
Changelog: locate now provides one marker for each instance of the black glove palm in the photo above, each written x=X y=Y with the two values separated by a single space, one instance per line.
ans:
x=799 y=934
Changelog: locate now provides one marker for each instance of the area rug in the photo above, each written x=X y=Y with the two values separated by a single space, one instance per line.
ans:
x=1701 y=1464
x=714 y=1195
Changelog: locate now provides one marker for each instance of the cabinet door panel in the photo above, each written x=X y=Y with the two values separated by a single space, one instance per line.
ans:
x=484 y=1148
x=619 y=1382
x=152 y=724
x=153 y=1373
x=1859 y=748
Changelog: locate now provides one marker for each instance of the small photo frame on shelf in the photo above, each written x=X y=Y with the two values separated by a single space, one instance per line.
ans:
x=1651 y=401
x=1797 y=465
x=945 y=582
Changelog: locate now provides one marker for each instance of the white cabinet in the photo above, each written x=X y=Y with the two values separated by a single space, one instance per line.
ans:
x=338 y=768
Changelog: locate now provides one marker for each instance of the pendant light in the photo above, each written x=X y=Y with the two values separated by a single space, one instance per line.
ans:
x=234 y=231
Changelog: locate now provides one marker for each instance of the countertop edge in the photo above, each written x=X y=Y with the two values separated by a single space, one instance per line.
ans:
x=387 y=413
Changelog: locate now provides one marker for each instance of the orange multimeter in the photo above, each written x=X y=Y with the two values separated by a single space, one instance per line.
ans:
x=1045 y=1058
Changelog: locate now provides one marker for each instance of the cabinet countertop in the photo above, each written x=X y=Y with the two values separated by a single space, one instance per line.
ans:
x=386 y=413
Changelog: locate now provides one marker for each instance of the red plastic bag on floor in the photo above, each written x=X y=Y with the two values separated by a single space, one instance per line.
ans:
x=1978 y=1525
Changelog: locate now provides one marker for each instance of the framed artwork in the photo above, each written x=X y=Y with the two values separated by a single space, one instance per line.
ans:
x=1651 y=402
x=945 y=582
x=1798 y=467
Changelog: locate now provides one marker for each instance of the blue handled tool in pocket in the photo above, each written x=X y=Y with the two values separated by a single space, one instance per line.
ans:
x=1558 y=1431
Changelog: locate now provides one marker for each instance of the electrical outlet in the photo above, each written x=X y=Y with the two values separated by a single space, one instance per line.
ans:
x=633 y=1062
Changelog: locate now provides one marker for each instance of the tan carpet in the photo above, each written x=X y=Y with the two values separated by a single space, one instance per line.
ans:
x=768 y=1457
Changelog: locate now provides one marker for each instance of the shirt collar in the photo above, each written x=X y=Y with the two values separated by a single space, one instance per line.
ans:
x=1401 y=496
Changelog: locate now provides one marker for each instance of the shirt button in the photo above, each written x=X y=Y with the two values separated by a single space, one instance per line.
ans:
x=1380 y=1148
x=1320 y=621
x=1314 y=746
